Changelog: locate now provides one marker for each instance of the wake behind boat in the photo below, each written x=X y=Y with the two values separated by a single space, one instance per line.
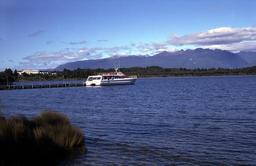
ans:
x=112 y=78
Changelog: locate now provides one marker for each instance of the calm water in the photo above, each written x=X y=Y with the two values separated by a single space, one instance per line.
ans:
x=157 y=121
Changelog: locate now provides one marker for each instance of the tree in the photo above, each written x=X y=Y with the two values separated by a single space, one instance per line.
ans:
x=8 y=77
x=16 y=74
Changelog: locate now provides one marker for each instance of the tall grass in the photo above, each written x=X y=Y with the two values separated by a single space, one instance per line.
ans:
x=43 y=140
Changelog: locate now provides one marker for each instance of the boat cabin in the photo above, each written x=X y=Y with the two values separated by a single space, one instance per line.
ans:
x=111 y=78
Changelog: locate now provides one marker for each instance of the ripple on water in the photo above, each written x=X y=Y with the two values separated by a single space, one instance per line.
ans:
x=158 y=121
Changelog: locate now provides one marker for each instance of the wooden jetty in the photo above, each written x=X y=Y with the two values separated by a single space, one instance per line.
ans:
x=37 y=86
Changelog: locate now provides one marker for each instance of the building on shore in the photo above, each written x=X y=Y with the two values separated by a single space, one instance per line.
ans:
x=29 y=72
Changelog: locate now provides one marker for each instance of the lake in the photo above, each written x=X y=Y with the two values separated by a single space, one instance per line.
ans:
x=157 y=121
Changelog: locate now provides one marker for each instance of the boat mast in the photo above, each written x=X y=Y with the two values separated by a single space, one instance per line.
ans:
x=117 y=64
x=116 y=70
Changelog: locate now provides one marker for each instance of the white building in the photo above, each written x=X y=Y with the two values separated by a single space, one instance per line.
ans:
x=29 y=72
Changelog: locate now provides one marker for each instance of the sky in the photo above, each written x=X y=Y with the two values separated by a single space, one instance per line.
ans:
x=41 y=34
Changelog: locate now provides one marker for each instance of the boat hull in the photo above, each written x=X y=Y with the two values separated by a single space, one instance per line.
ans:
x=127 y=81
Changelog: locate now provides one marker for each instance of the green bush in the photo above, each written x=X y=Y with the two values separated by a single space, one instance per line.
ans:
x=44 y=140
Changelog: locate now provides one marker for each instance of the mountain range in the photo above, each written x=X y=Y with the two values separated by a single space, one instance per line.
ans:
x=190 y=59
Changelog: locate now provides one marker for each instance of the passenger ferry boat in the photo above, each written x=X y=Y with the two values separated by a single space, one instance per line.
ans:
x=112 y=78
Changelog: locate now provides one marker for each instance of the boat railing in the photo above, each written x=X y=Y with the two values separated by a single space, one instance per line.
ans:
x=133 y=76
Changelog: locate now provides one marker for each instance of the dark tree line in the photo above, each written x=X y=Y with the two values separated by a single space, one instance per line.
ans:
x=9 y=76
x=158 y=71
x=65 y=74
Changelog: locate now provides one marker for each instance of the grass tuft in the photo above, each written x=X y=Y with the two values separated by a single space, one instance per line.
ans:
x=43 y=140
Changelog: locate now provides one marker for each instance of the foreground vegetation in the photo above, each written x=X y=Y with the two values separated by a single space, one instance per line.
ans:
x=44 y=140
x=9 y=76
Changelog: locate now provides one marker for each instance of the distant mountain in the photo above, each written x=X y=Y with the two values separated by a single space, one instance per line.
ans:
x=197 y=58
x=249 y=57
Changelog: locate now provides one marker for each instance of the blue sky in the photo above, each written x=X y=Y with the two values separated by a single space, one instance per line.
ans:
x=45 y=33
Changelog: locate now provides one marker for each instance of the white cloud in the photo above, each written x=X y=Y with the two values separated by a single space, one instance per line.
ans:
x=235 y=47
x=44 y=60
x=153 y=48
x=223 y=37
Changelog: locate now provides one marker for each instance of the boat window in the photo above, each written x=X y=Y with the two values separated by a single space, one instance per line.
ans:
x=106 y=77
x=94 y=78
x=90 y=78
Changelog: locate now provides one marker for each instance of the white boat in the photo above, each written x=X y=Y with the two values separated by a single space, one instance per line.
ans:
x=112 y=78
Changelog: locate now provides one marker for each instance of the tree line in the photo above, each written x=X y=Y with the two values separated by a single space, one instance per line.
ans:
x=162 y=72
x=8 y=76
